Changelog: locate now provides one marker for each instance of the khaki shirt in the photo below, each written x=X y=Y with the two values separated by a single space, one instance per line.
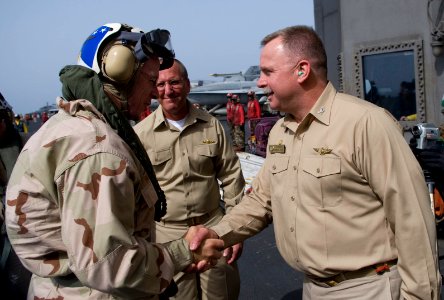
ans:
x=189 y=163
x=79 y=212
x=345 y=193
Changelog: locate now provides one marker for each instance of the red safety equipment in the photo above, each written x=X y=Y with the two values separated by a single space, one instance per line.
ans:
x=239 y=114
x=235 y=98
x=253 y=109
x=230 y=109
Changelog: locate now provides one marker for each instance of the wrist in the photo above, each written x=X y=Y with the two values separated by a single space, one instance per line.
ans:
x=180 y=253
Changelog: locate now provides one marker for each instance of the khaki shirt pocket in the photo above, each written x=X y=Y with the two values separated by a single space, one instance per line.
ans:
x=162 y=163
x=320 y=181
x=207 y=150
x=159 y=157
x=203 y=159
x=278 y=166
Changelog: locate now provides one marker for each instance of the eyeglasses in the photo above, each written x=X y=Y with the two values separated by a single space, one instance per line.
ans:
x=174 y=84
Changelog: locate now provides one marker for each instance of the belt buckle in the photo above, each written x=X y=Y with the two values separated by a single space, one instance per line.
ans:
x=331 y=283
x=381 y=269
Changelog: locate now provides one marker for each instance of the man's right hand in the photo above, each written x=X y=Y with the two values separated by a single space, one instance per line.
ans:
x=206 y=247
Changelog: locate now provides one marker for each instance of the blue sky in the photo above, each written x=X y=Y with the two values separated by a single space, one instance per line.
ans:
x=38 y=38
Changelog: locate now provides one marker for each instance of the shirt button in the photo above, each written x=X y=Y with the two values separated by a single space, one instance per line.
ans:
x=292 y=198
x=274 y=167
x=291 y=229
x=295 y=168
x=183 y=153
x=299 y=137
x=318 y=170
x=187 y=193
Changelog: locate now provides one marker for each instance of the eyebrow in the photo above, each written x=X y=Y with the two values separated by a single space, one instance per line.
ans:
x=266 y=69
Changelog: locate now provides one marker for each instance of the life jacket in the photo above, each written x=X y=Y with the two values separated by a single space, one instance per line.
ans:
x=239 y=115
x=253 y=109
x=230 y=111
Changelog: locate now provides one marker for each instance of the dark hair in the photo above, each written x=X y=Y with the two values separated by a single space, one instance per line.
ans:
x=302 y=42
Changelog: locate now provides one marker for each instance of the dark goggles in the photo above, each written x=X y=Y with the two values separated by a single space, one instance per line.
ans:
x=156 y=42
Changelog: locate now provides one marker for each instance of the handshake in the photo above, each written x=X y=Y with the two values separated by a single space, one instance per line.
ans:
x=207 y=249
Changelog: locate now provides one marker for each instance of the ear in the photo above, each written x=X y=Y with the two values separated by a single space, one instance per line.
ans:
x=188 y=86
x=303 y=70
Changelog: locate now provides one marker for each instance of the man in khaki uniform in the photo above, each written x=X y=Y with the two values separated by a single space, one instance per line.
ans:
x=80 y=203
x=348 y=200
x=190 y=154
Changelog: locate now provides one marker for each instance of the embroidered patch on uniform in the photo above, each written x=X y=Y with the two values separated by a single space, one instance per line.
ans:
x=207 y=141
x=323 y=150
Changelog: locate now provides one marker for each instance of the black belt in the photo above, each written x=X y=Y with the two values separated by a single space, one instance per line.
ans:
x=377 y=269
x=190 y=221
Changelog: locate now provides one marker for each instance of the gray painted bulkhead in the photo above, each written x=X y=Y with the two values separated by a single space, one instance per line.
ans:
x=351 y=27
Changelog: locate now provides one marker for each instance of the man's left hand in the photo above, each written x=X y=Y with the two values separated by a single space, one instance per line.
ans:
x=233 y=253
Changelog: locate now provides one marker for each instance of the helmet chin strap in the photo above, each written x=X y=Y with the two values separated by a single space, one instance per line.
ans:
x=119 y=96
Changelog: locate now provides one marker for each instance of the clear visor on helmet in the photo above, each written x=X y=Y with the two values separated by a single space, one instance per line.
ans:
x=157 y=42
x=160 y=37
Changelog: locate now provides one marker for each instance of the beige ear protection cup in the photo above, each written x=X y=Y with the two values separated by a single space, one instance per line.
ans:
x=119 y=63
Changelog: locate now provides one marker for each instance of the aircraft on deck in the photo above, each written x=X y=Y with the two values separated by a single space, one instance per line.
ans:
x=213 y=96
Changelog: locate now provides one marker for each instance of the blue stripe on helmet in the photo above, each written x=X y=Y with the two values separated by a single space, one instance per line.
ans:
x=91 y=44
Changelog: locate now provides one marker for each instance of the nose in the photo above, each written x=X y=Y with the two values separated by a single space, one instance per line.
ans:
x=168 y=88
x=261 y=82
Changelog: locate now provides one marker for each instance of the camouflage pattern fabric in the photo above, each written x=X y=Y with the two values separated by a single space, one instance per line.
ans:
x=79 y=210
x=239 y=138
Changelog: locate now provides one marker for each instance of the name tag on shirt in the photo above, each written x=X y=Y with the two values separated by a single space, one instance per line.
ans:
x=277 y=149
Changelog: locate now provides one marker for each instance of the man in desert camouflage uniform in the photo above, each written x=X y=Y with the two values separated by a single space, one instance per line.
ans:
x=82 y=196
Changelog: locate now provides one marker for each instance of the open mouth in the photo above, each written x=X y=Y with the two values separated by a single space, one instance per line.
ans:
x=268 y=93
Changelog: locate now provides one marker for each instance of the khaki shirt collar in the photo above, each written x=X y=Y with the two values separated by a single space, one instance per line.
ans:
x=321 y=111
x=322 y=108
x=193 y=116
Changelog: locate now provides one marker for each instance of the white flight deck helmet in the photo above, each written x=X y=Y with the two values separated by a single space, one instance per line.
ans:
x=119 y=60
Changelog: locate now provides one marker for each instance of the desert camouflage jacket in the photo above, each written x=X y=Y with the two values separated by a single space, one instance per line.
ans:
x=79 y=209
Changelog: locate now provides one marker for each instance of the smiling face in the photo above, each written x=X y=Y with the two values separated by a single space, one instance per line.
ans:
x=173 y=89
x=144 y=88
x=278 y=76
